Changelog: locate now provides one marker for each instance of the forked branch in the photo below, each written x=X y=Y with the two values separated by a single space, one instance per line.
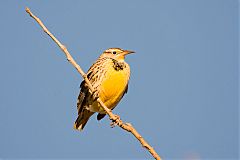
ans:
x=114 y=118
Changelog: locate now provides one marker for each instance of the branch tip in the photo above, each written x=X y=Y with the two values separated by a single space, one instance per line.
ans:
x=27 y=10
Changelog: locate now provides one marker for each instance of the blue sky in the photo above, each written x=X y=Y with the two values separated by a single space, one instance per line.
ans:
x=183 y=91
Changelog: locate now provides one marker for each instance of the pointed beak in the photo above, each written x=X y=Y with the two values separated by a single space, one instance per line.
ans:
x=125 y=52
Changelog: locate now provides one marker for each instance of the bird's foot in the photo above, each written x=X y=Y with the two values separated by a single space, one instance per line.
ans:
x=115 y=121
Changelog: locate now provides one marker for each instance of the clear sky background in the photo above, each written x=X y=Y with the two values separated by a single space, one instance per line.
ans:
x=183 y=91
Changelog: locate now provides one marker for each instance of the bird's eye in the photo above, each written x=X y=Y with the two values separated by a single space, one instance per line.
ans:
x=114 y=52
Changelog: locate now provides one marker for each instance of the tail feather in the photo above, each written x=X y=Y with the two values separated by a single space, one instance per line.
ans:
x=82 y=119
x=100 y=116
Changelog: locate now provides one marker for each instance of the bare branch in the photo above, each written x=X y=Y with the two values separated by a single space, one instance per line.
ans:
x=114 y=118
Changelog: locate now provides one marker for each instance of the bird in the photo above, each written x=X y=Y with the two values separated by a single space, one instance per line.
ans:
x=109 y=76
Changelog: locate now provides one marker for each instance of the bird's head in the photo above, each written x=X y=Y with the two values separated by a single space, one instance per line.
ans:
x=116 y=53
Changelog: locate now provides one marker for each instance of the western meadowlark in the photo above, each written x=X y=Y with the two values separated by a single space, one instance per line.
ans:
x=109 y=77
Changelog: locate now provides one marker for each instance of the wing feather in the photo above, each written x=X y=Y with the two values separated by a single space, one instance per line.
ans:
x=95 y=75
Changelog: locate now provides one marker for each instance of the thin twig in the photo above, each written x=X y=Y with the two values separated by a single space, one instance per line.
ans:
x=114 y=118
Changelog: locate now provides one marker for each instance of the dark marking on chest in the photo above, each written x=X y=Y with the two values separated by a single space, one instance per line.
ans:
x=118 y=65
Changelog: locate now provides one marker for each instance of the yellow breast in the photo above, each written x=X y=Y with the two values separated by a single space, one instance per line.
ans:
x=113 y=86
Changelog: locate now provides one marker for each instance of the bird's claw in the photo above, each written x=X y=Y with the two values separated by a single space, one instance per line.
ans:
x=115 y=121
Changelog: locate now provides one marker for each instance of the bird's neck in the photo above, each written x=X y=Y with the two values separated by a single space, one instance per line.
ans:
x=118 y=64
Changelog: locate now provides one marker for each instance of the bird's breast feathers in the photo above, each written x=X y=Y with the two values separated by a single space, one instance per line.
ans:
x=114 y=84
